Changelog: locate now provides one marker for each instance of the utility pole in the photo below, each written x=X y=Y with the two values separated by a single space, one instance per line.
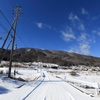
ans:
x=14 y=25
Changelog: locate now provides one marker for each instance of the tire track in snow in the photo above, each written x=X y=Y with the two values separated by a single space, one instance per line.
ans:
x=56 y=90
x=45 y=98
x=25 y=91
x=41 y=92
x=33 y=90
x=71 y=97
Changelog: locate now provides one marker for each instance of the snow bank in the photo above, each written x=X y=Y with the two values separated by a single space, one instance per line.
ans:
x=92 y=84
x=81 y=82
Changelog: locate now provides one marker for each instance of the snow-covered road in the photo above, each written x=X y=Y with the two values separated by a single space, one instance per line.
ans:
x=48 y=88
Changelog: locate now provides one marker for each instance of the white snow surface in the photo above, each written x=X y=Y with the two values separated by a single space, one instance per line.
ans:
x=46 y=87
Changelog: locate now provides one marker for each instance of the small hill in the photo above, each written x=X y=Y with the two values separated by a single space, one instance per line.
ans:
x=50 y=56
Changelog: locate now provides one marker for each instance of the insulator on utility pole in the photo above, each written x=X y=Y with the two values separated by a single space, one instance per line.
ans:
x=16 y=47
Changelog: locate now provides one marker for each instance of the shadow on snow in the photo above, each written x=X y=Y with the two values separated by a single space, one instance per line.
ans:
x=3 y=90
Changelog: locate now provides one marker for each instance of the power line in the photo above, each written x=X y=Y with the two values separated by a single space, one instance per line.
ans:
x=15 y=2
x=10 y=23
x=11 y=3
x=24 y=26
x=3 y=32
x=18 y=2
x=21 y=40
x=3 y=27
x=5 y=17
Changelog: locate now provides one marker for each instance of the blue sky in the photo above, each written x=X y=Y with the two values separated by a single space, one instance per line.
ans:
x=69 y=25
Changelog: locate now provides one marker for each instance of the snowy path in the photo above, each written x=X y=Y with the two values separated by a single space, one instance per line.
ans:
x=60 y=90
x=20 y=93
x=50 y=88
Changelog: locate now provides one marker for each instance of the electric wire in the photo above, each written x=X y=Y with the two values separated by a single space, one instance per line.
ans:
x=23 y=25
x=3 y=27
x=21 y=40
x=27 y=26
x=18 y=2
x=10 y=25
x=11 y=3
x=9 y=22
x=15 y=3
x=5 y=18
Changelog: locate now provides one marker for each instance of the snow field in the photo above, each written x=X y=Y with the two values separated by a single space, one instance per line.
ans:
x=82 y=79
x=42 y=88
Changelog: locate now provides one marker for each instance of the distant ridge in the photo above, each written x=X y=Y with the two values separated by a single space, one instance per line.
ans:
x=51 y=56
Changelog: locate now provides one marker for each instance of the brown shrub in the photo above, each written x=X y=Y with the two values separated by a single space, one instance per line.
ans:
x=1 y=71
x=73 y=73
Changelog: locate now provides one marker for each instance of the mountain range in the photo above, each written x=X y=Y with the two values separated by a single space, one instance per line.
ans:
x=61 y=58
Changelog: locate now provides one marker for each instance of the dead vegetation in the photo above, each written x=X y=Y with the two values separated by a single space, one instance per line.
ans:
x=19 y=79
x=73 y=73
x=1 y=71
x=19 y=66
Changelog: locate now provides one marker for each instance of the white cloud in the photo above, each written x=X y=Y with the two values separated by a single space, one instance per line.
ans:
x=73 y=17
x=68 y=34
x=96 y=17
x=74 y=49
x=49 y=27
x=83 y=44
x=83 y=38
x=81 y=49
x=96 y=31
x=76 y=22
x=84 y=12
x=40 y=25
x=81 y=27
x=78 y=33
x=68 y=37
x=85 y=49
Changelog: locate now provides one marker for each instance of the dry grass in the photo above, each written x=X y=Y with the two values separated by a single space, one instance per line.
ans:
x=1 y=71
x=19 y=79
x=19 y=66
x=73 y=73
